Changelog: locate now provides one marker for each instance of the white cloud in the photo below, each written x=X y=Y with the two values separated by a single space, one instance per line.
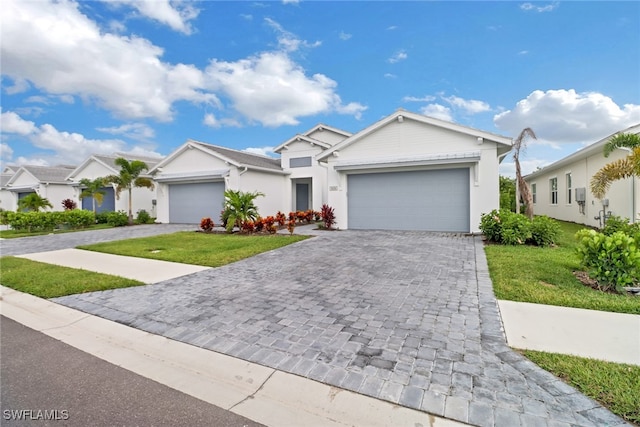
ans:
x=400 y=55
x=566 y=116
x=392 y=27
x=272 y=89
x=10 y=122
x=246 y=16
x=176 y=13
x=6 y=152
x=344 y=36
x=265 y=151
x=471 y=106
x=212 y=121
x=390 y=76
x=426 y=98
x=288 y=41
x=290 y=1
x=19 y=85
x=122 y=74
x=546 y=8
x=437 y=111
x=136 y=131
x=527 y=166
x=67 y=147
x=523 y=52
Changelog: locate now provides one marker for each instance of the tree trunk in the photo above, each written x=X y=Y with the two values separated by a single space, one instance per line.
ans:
x=130 y=209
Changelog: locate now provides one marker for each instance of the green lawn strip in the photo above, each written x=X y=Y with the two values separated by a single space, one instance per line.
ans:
x=14 y=234
x=614 y=385
x=50 y=281
x=211 y=250
x=545 y=276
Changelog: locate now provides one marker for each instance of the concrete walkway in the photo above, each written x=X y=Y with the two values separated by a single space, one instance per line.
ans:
x=595 y=334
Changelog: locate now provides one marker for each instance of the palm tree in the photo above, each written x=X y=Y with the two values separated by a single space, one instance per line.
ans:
x=521 y=185
x=33 y=202
x=128 y=178
x=93 y=189
x=618 y=169
x=240 y=207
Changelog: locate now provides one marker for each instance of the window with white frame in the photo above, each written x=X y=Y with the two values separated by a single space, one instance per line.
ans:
x=553 y=189
x=568 y=182
x=534 y=193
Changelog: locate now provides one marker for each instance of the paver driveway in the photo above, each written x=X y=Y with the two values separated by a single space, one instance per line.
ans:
x=407 y=317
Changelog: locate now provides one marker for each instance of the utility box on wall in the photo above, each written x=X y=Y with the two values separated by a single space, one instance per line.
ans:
x=581 y=194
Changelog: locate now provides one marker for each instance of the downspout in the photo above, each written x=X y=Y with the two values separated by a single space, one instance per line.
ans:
x=634 y=211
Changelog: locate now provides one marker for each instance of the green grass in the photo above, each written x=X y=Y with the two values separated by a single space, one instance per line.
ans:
x=14 y=234
x=545 y=276
x=211 y=250
x=50 y=281
x=614 y=385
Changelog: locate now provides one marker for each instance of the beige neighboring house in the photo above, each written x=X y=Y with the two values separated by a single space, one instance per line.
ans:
x=47 y=181
x=561 y=190
x=99 y=166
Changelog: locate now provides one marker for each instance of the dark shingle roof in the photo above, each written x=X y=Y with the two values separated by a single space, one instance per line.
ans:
x=243 y=158
x=51 y=174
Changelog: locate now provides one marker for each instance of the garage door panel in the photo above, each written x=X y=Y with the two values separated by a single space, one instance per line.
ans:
x=434 y=200
x=189 y=203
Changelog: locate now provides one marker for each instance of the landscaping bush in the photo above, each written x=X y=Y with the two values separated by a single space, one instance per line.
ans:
x=291 y=225
x=69 y=204
x=102 y=217
x=34 y=221
x=259 y=224
x=247 y=226
x=516 y=228
x=328 y=216
x=544 y=231
x=613 y=261
x=117 y=219
x=76 y=218
x=281 y=218
x=144 y=217
x=6 y=216
x=491 y=226
x=206 y=224
x=616 y=223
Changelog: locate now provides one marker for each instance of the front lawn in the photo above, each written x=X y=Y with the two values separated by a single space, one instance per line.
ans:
x=545 y=276
x=50 y=281
x=14 y=234
x=188 y=247
x=615 y=385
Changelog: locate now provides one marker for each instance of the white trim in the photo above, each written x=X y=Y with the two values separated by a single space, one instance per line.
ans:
x=433 y=159
x=192 y=176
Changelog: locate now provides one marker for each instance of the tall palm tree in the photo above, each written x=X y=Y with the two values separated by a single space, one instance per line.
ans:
x=618 y=169
x=128 y=178
x=240 y=207
x=522 y=187
x=93 y=189
x=33 y=202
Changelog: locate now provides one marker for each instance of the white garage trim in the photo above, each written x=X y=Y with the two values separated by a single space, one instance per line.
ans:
x=434 y=159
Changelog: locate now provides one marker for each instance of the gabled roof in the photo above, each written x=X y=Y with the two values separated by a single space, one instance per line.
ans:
x=595 y=148
x=504 y=143
x=305 y=137
x=44 y=174
x=234 y=157
x=4 y=179
x=109 y=161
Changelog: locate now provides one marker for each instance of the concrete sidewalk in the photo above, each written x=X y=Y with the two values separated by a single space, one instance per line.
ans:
x=141 y=269
x=259 y=393
x=594 y=334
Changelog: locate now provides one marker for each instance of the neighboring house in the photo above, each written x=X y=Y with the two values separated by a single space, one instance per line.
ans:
x=47 y=181
x=100 y=166
x=7 y=199
x=192 y=180
x=307 y=178
x=412 y=172
x=405 y=172
x=562 y=189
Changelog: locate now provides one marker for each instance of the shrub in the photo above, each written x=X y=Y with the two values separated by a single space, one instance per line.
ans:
x=301 y=216
x=616 y=223
x=34 y=221
x=491 y=226
x=281 y=219
x=328 y=216
x=308 y=215
x=544 y=231
x=102 y=217
x=144 y=217
x=224 y=216
x=291 y=225
x=506 y=227
x=247 y=226
x=317 y=216
x=259 y=224
x=76 y=218
x=117 y=219
x=69 y=204
x=6 y=216
x=613 y=261
x=206 y=224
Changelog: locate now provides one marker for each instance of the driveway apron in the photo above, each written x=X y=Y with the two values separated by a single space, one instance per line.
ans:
x=408 y=317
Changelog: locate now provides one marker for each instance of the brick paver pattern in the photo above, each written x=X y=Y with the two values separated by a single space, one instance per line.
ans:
x=407 y=317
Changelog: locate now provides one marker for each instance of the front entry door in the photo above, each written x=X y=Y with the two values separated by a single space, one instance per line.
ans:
x=302 y=196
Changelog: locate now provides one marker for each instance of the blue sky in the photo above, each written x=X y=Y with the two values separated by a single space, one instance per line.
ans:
x=143 y=76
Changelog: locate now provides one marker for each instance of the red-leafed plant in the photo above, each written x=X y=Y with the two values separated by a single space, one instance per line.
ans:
x=328 y=216
x=69 y=204
x=308 y=215
x=248 y=226
x=259 y=224
x=317 y=216
x=300 y=216
x=269 y=222
x=272 y=229
x=206 y=224
x=292 y=215
x=291 y=225
x=281 y=218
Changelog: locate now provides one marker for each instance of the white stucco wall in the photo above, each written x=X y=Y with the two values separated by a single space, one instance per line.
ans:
x=620 y=194
x=270 y=184
x=411 y=139
x=316 y=172
x=7 y=200
x=56 y=193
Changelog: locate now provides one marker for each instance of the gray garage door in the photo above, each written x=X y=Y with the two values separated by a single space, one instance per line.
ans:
x=108 y=201
x=434 y=200
x=189 y=203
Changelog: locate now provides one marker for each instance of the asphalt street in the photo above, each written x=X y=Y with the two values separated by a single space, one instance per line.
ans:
x=45 y=382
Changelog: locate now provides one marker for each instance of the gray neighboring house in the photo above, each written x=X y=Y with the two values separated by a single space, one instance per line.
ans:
x=47 y=181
